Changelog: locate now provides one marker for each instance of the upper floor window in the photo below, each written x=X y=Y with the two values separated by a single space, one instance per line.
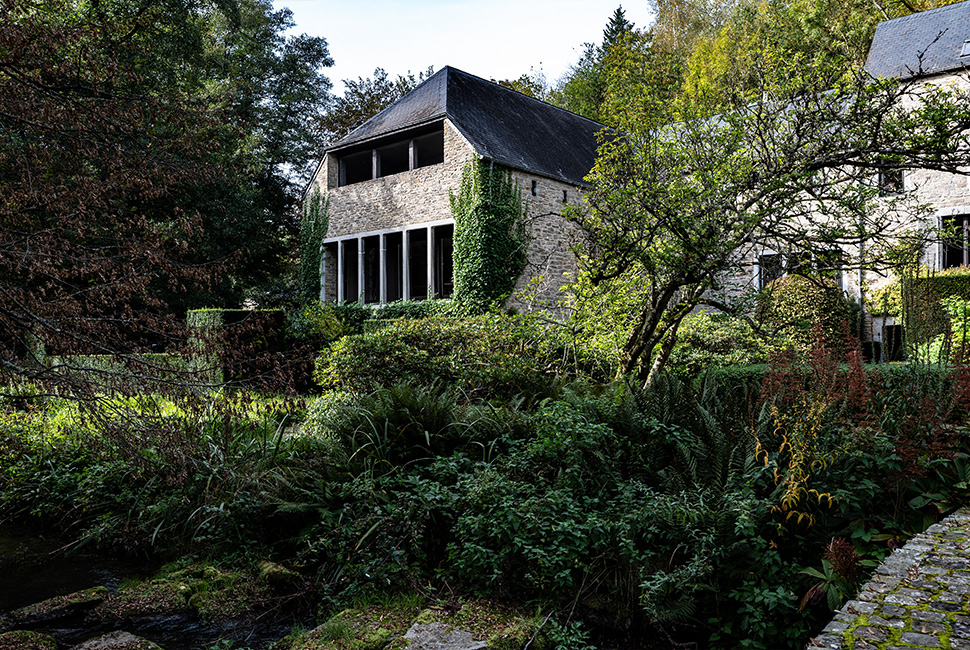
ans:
x=772 y=266
x=392 y=157
x=890 y=181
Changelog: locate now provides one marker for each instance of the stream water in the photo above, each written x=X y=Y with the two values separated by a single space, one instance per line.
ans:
x=34 y=568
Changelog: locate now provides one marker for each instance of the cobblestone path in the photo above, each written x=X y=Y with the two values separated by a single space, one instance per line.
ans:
x=919 y=597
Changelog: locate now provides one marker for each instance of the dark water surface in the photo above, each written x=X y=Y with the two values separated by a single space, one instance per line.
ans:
x=35 y=567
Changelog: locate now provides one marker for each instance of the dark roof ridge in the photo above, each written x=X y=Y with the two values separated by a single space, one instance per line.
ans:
x=387 y=108
x=546 y=104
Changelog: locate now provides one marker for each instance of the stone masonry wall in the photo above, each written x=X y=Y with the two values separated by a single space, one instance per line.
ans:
x=551 y=262
x=421 y=196
x=404 y=199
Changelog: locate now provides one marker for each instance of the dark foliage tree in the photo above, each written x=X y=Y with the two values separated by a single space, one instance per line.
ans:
x=362 y=99
x=130 y=163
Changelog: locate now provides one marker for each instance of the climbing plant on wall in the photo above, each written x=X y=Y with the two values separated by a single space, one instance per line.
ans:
x=490 y=236
x=313 y=227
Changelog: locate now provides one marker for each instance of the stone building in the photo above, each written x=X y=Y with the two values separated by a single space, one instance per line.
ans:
x=388 y=183
x=933 y=45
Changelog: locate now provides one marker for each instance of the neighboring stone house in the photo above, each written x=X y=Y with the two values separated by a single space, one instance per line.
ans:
x=934 y=45
x=388 y=182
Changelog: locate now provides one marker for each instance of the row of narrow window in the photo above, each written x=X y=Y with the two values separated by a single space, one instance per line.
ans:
x=382 y=268
x=394 y=158
x=955 y=252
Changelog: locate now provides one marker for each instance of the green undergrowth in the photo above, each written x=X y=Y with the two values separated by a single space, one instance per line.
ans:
x=730 y=510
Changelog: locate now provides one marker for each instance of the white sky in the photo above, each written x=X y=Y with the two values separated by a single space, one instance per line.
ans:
x=494 y=39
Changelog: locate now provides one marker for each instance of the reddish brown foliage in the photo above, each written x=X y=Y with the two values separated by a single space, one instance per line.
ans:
x=93 y=167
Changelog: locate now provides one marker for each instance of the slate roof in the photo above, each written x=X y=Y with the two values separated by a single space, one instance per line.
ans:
x=502 y=125
x=939 y=34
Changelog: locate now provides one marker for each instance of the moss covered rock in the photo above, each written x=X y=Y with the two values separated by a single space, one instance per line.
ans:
x=23 y=640
x=56 y=608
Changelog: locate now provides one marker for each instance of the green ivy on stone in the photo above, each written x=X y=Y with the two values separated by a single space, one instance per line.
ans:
x=490 y=236
x=313 y=228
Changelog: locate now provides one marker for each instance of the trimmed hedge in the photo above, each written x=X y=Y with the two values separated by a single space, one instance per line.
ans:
x=918 y=300
x=484 y=356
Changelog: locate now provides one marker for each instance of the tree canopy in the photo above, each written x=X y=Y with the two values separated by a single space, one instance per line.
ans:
x=362 y=99
x=681 y=201
x=150 y=155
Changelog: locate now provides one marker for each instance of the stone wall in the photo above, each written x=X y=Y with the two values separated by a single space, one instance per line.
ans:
x=422 y=196
x=551 y=262
x=405 y=199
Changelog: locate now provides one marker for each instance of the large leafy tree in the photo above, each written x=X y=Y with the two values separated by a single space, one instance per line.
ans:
x=132 y=155
x=582 y=89
x=362 y=99
x=272 y=91
x=680 y=202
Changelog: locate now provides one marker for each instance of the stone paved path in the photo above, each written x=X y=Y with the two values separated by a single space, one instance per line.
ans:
x=919 y=596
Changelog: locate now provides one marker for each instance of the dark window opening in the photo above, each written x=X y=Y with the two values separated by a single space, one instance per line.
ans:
x=443 y=262
x=418 y=264
x=565 y=196
x=350 y=290
x=356 y=168
x=372 y=269
x=800 y=263
x=535 y=189
x=410 y=152
x=830 y=264
x=890 y=182
x=956 y=241
x=429 y=149
x=393 y=159
x=393 y=280
x=770 y=267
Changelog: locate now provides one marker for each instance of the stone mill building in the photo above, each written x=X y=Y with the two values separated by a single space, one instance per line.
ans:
x=388 y=183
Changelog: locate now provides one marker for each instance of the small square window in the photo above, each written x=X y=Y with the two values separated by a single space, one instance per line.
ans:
x=966 y=49
x=890 y=181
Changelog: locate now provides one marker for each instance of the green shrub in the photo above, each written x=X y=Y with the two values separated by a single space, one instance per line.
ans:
x=413 y=309
x=486 y=356
x=799 y=307
x=315 y=321
x=715 y=340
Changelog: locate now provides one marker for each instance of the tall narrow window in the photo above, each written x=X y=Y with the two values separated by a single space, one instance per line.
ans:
x=372 y=269
x=350 y=289
x=417 y=253
x=770 y=267
x=393 y=281
x=890 y=182
x=443 y=261
x=535 y=188
x=956 y=241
